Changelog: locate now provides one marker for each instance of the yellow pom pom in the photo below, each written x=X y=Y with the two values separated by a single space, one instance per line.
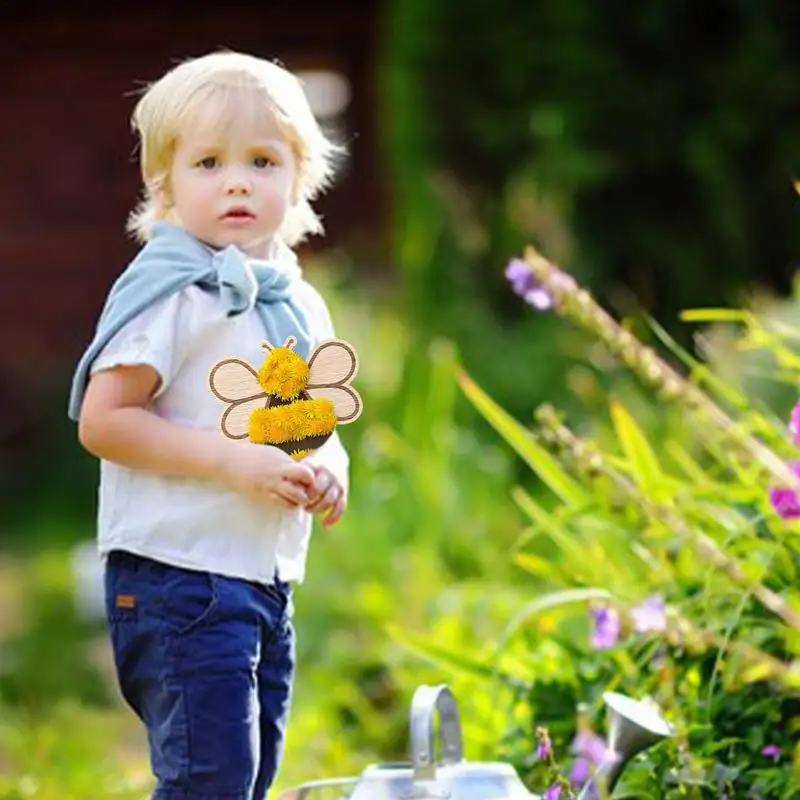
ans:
x=297 y=454
x=284 y=373
x=291 y=423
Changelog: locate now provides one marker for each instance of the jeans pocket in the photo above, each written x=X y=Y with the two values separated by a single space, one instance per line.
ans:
x=123 y=595
x=189 y=599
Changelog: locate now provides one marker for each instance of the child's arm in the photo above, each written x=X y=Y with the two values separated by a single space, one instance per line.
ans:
x=115 y=425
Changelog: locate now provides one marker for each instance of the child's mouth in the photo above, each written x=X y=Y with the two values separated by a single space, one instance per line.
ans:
x=238 y=215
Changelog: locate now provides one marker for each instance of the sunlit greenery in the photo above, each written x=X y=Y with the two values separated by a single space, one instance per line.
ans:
x=447 y=568
x=514 y=470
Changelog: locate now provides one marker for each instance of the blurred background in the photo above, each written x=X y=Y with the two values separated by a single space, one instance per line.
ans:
x=650 y=149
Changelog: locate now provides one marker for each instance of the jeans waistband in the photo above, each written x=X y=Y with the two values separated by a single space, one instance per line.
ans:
x=134 y=561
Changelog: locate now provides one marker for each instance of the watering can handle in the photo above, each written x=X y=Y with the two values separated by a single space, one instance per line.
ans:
x=426 y=702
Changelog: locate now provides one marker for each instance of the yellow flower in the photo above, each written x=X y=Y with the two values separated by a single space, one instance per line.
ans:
x=284 y=373
x=293 y=422
x=298 y=454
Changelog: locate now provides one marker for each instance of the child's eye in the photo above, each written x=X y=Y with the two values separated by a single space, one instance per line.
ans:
x=262 y=162
x=209 y=162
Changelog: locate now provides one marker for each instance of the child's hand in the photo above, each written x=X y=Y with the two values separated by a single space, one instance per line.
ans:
x=326 y=494
x=266 y=475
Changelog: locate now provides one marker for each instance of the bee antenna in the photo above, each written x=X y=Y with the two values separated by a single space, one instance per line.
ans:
x=290 y=342
x=267 y=346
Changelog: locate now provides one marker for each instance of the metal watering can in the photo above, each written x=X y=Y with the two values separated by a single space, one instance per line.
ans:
x=633 y=727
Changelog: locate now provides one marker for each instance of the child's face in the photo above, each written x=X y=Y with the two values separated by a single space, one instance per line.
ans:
x=234 y=186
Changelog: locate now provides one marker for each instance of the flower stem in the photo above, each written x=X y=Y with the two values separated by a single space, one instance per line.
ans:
x=576 y=304
x=705 y=545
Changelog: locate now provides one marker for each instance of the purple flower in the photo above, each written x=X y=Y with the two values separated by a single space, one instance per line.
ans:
x=545 y=746
x=606 y=627
x=785 y=502
x=771 y=751
x=587 y=744
x=784 y=499
x=553 y=792
x=590 y=751
x=650 y=615
x=580 y=771
x=794 y=424
x=525 y=284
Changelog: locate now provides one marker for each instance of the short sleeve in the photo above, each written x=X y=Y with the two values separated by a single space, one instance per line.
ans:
x=152 y=338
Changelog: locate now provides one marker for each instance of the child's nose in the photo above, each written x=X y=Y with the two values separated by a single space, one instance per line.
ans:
x=237 y=181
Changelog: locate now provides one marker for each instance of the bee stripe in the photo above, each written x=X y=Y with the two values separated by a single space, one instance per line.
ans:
x=311 y=443
x=292 y=423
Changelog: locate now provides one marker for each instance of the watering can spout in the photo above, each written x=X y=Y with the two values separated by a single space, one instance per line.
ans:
x=633 y=727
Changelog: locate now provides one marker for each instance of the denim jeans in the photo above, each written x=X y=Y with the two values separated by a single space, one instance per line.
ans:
x=207 y=664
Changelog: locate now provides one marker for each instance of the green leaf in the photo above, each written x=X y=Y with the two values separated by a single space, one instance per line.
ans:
x=550 y=601
x=574 y=552
x=543 y=604
x=689 y=466
x=534 y=455
x=645 y=466
x=540 y=567
x=700 y=371
x=667 y=483
x=715 y=315
x=456 y=662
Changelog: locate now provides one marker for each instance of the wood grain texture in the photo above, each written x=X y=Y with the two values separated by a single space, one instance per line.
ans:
x=332 y=366
x=234 y=382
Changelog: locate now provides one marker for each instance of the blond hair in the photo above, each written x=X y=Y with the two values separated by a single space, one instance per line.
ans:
x=228 y=84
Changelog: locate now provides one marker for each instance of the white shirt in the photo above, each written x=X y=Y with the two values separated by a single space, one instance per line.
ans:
x=187 y=522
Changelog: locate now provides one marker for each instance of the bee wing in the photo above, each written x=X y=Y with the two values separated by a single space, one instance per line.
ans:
x=235 y=422
x=346 y=401
x=331 y=367
x=232 y=380
x=333 y=363
x=235 y=382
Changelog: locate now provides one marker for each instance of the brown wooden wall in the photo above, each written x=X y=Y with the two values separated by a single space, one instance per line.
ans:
x=69 y=174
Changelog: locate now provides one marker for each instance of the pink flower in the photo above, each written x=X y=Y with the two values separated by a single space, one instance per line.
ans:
x=553 y=793
x=784 y=499
x=771 y=751
x=794 y=424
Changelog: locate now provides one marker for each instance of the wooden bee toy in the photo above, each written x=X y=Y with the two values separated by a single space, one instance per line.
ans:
x=288 y=402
